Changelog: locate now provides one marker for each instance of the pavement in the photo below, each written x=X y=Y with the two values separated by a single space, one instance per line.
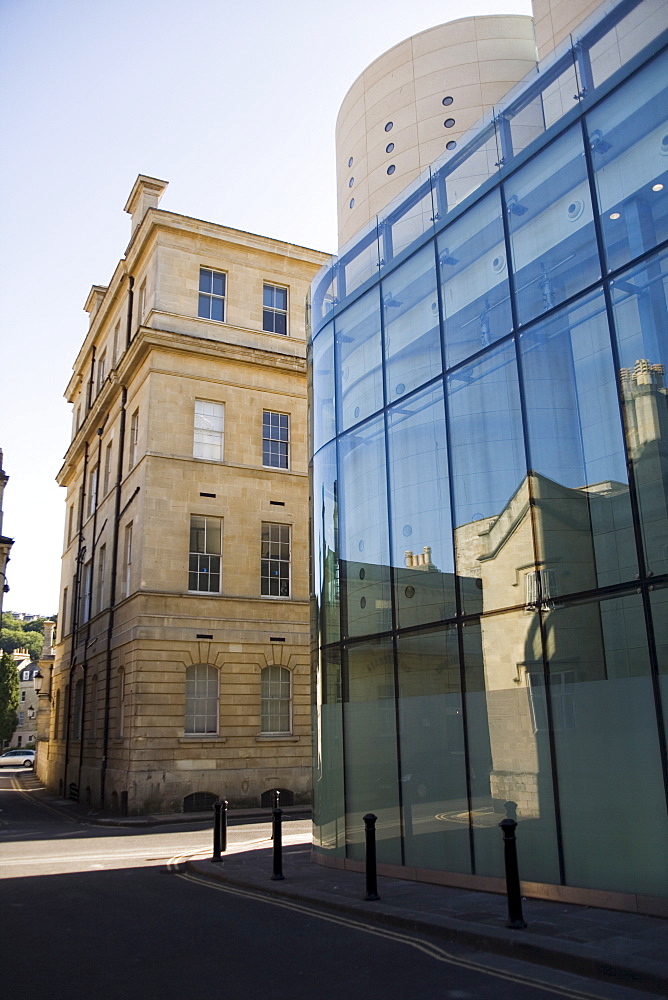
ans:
x=625 y=949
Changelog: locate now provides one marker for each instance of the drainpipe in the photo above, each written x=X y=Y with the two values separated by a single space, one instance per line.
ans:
x=84 y=665
x=128 y=328
x=112 y=595
x=91 y=382
x=81 y=552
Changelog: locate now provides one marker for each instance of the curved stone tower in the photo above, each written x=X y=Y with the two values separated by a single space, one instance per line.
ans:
x=417 y=99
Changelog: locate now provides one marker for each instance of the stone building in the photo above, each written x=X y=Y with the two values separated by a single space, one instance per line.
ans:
x=181 y=671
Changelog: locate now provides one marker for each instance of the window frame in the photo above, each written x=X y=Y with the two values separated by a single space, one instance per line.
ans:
x=273 y=311
x=194 y=701
x=206 y=298
x=134 y=438
x=217 y=437
x=269 y=563
x=272 y=704
x=208 y=555
x=272 y=443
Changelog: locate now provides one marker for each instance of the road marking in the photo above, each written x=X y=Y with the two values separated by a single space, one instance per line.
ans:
x=432 y=950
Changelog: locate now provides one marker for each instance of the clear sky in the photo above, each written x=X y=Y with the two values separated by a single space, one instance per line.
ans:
x=233 y=103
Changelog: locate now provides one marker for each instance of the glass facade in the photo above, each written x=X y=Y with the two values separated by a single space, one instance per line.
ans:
x=490 y=487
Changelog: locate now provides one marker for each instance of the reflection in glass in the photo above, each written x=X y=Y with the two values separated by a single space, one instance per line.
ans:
x=433 y=765
x=412 y=337
x=328 y=781
x=326 y=583
x=360 y=376
x=630 y=157
x=503 y=668
x=641 y=319
x=321 y=369
x=551 y=227
x=606 y=744
x=489 y=477
x=578 y=483
x=364 y=548
x=421 y=529
x=370 y=734
x=474 y=281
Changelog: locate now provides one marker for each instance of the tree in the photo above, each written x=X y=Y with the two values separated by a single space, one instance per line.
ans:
x=17 y=638
x=9 y=697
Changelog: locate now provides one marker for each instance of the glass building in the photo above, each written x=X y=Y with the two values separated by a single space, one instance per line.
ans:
x=490 y=493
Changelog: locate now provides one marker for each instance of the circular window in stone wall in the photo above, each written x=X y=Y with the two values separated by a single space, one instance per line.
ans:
x=451 y=145
x=351 y=182
x=449 y=122
x=350 y=162
x=391 y=168
x=446 y=101
x=389 y=147
x=351 y=203
x=389 y=126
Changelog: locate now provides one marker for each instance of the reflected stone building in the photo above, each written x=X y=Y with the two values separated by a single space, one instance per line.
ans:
x=490 y=492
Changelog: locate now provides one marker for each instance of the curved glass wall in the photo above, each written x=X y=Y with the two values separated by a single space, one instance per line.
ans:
x=490 y=486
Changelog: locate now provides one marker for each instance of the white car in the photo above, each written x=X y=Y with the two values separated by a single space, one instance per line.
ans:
x=18 y=758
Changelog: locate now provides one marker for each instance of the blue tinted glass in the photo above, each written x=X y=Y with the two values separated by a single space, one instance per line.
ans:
x=641 y=319
x=217 y=309
x=551 y=227
x=584 y=530
x=489 y=476
x=325 y=555
x=322 y=397
x=422 y=554
x=412 y=337
x=628 y=134
x=218 y=283
x=204 y=307
x=474 y=280
x=268 y=296
x=359 y=368
x=280 y=323
x=364 y=530
x=281 y=298
x=204 y=280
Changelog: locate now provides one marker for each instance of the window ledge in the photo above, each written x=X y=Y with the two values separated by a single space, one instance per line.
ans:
x=277 y=738
x=202 y=738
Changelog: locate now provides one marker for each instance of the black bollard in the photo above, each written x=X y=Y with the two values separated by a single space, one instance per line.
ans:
x=370 y=836
x=515 y=917
x=219 y=829
x=278 y=845
x=275 y=804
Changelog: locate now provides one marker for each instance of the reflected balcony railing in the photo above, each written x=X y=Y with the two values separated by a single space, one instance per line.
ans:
x=603 y=44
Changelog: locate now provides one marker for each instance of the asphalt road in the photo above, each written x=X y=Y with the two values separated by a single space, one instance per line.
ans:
x=92 y=913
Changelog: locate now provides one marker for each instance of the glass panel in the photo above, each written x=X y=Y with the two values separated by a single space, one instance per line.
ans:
x=551 y=227
x=641 y=316
x=491 y=512
x=325 y=541
x=322 y=375
x=406 y=219
x=370 y=734
x=607 y=750
x=359 y=260
x=360 y=380
x=659 y=604
x=328 y=784
x=422 y=554
x=510 y=762
x=433 y=766
x=481 y=161
x=474 y=280
x=364 y=531
x=579 y=482
x=628 y=134
x=626 y=38
x=412 y=338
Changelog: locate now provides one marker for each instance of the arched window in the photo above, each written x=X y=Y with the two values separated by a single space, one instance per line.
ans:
x=121 y=702
x=201 y=700
x=275 y=711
